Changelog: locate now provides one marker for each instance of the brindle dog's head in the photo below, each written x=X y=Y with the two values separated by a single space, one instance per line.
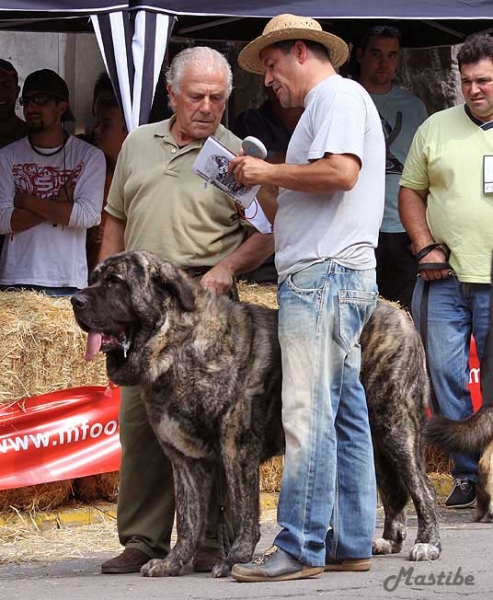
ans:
x=128 y=299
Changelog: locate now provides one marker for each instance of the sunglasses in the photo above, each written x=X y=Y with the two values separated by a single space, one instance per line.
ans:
x=38 y=99
x=384 y=30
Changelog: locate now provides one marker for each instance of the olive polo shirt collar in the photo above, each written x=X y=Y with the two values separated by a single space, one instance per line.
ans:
x=164 y=132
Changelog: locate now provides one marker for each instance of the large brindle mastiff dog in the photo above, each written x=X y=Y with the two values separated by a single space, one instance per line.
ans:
x=210 y=371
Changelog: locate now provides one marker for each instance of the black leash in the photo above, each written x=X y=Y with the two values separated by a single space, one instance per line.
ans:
x=424 y=307
x=423 y=313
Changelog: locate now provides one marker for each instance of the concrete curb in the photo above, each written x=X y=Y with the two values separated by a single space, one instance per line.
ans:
x=76 y=515
x=73 y=515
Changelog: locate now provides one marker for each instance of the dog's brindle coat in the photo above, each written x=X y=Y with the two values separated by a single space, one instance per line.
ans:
x=210 y=370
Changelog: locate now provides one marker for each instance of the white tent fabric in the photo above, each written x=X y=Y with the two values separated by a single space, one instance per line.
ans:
x=114 y=38
x=149 y=44
x=133 y=51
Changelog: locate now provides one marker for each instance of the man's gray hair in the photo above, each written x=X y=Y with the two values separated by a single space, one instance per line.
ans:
x=203 y=57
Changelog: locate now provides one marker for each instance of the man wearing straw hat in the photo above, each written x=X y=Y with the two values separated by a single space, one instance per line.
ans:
x=330 y=206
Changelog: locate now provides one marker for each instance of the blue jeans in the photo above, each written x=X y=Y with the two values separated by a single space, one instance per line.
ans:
x=455 y=311
x=329 y=476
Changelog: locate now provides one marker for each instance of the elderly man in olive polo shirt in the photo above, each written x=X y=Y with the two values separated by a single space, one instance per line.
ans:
x=156 y=203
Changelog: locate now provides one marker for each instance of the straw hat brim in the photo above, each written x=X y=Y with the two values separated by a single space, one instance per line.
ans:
x=249 y=57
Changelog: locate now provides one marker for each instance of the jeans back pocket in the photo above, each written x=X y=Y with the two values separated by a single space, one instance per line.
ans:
x=355 y=309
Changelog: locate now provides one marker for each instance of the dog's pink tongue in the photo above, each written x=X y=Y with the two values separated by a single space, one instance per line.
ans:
x=94 y=339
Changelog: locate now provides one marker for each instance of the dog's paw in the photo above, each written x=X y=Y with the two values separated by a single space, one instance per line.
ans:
x=382 y=546
x=483 y=513
x=158 y=567
x=221 y=569
x=484 y=518
x=424 y=552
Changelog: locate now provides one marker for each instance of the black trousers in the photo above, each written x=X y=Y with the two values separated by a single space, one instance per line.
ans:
x=396 y=268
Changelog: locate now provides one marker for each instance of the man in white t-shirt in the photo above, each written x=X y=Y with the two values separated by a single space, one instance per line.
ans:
x=51 y=192
x=401 y=113
x=330 y=207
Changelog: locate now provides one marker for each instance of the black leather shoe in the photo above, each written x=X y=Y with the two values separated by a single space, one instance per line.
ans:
x=129 y=561
x=274 y=565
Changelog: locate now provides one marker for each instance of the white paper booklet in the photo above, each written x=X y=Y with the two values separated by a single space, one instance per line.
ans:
x=212 y=165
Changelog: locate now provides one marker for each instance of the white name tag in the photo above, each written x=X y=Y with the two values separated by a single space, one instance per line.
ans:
x=488 y=174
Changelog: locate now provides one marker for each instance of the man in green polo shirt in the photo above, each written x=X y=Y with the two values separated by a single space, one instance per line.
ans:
x=156 y=203
x=446 y=206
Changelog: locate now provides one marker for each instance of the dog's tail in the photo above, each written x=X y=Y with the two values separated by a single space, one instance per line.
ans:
x=469 y=435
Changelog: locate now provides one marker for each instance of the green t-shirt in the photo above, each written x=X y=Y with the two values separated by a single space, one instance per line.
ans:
x=446 y=159
x=168 y=209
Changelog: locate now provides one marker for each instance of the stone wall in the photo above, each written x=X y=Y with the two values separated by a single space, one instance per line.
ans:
x=432 y=75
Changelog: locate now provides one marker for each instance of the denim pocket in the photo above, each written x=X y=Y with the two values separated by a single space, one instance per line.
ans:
x=308 y=281
x=355 y=308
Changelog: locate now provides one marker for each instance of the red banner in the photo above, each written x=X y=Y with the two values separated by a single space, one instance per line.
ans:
x=63 y=435
x=474 y=384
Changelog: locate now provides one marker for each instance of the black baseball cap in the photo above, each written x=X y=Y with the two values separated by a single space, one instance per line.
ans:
x=7 y=68
x=51 y=84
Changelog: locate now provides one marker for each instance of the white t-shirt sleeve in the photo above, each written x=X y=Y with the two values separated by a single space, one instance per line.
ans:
x=339 y=126
x=89 y=191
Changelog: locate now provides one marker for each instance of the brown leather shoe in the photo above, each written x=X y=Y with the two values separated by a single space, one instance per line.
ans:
x=205 y=558
x=129 y=561
x=349 y=564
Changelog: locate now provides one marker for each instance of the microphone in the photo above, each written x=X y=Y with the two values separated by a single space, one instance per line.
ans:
x=252 y=146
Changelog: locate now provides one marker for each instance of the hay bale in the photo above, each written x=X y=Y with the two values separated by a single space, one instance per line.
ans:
x=97 y=487
x=45 y=496
x=436 y=460
x=42 y=351
x=42 y=347
x=265 y=295
x=271 y=474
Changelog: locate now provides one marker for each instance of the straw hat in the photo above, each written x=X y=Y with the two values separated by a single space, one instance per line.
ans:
x=292 y=27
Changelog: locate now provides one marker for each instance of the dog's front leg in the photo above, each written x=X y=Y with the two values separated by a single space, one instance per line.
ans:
x=193 y=480
x=241 y=465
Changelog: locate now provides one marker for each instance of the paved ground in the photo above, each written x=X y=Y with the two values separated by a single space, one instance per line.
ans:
x=464 y=570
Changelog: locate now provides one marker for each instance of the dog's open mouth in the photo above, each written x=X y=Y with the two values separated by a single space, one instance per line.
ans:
x=98 y=341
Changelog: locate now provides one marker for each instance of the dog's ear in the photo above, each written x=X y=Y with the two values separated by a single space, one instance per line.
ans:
x=178 y=285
